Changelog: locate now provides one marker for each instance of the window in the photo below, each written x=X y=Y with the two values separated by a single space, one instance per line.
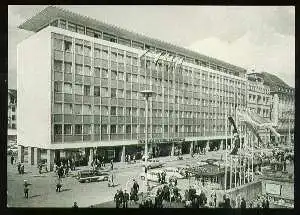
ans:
x=125 y=42
x=57 y=108
x=97 y=109
x=13 y=109
x=80 y=29
x=104 y=110
x=71 y=27
x=120 y=93
x=104 y=54
x=78 y=69
x=104 y=92
x=13 y=126
x=110 y=38
x=97 y=53
x=68 y=46
x=113 y=111
x=87 y=70
x=142 y=112
x=96 y=128
x=128 y=111
x=58 y=44
x=120 y=129
x=134 y=78
x=104 y=73
x=97 y=71
x=57 y=66
x=78 y=89
x=120 y=58
x=57 y=87
x=113 y=75
x=78 y=48
x=104 y=129
x=113 y=93
x=68 y=109
x=78 y=109
x=67 y=129
x=87 y=90
x=87 y=109
x=128 y=59
x=128 y=129
x=128 y=77
x=86 y=129
x=57 y=129
x=96 y=91
x=120 y=111
x=62 y=24
x=134 y=111
x=78 y=129
x=113 y=129
x=87 y=50
x=68 y=88
x=113 y=56
x=120 y=76
x=68 y=67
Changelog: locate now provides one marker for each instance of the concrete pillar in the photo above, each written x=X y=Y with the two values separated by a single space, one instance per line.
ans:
x=207 y=146
x=123 y=155
x=30 y=155
x=91 y=156
x=222 y=145
x=36 y=155
x=173 y=149
x=191 y=148
x=50 y=159
x=21 y=153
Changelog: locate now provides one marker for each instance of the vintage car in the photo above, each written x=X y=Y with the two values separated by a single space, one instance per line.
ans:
x=152 y=164
x=92 y=175
x=151 y=175
x=174 y=172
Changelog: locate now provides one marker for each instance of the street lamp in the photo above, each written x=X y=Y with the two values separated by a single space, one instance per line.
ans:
x=146 y=94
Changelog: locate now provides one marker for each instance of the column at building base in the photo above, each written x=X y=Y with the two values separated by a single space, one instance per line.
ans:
x=173 y=149
x=30 y=155
x=123 y=155
x=36 y=155
x=91 y=156
x=20 y=154
x=192 y=149
x=50 y=159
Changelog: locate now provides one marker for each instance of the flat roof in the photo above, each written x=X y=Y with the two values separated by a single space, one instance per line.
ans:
x=52 y=13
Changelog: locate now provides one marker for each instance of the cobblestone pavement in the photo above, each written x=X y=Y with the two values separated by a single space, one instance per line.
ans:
x=42 y=191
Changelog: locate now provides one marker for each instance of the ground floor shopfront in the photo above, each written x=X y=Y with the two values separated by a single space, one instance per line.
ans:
x=117 y=153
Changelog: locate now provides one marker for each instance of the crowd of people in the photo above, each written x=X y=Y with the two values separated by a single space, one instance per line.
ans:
x=122 y=198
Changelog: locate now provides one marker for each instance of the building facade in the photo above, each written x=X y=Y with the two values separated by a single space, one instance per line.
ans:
x=12 y=115
x=259 y=101
x=89 y=79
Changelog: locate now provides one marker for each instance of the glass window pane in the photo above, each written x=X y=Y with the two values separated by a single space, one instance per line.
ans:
x=78 y=69
x=68 y=88
x=67 y=129
x=57 y=108
x=58 y=44
x=78 y=109
x=78 y=89
x=68 y=68
x=57 y=129
x=87 y=70
x=68 y=46
x=96 y=91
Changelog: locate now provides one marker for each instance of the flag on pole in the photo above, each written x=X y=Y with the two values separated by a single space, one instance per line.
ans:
x=141 y=54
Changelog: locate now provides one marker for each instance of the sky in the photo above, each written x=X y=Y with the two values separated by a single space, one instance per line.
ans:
x=259 y=37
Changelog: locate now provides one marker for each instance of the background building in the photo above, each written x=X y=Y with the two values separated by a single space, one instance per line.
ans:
x=12 y=115
x=87 y=93
x=283 y=106
x=259 y=101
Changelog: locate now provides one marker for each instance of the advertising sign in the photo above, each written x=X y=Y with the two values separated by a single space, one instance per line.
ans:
x=273 y=189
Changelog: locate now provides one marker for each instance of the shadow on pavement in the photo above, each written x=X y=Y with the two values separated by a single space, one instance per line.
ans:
x=67 y=189
x=34 y=196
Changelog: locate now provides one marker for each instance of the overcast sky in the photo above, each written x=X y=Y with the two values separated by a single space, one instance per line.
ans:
x=261 y=37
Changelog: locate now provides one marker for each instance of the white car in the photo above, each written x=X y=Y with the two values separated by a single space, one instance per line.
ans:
x=151 y=175
x=152 y=163
x=174 y=172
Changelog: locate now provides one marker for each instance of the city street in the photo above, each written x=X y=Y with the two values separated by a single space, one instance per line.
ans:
x=42 y=191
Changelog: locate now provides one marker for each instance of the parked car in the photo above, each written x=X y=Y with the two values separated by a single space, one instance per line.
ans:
x=151 y=175
x=92 y=175
x=152 y=164
x=174 y=172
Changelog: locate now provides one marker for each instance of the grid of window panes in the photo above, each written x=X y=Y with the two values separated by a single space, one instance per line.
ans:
x=69 y=25
x=96 y=95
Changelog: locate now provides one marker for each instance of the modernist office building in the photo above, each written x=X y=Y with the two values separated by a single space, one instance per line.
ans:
x=79 y=84
x=11 y=115
x=259 y=102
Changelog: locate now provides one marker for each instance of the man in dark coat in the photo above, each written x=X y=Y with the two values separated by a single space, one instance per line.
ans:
x=12 y=160
x=202 y=199
x=243 y=203
x=125 y=199
x=19 y=167
x=116 y=199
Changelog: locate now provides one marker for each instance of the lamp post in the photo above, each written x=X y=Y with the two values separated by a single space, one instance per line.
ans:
x=146 y=94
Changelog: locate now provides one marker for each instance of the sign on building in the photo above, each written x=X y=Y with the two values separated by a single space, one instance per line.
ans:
x=274 y=189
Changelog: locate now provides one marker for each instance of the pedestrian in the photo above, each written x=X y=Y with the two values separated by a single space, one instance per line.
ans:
x=134 y=159
x=116 y=199
x=19 y=168
x=243 y=203
x=125 y=199
x=58 y=185
x=26 y=188
x=159 y=177
x=22 y=169
x=12 y=160
x=75 y=205
x=111 y=165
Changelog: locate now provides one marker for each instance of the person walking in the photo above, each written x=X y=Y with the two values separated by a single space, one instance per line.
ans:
x=125 y=199
x=26 y=188
x=19 y=168
x=58 y=185
x=111 y=164
x=117 y=200
x=243 y=203
x=22 y=169
x=12 y=160
x=75 y=205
